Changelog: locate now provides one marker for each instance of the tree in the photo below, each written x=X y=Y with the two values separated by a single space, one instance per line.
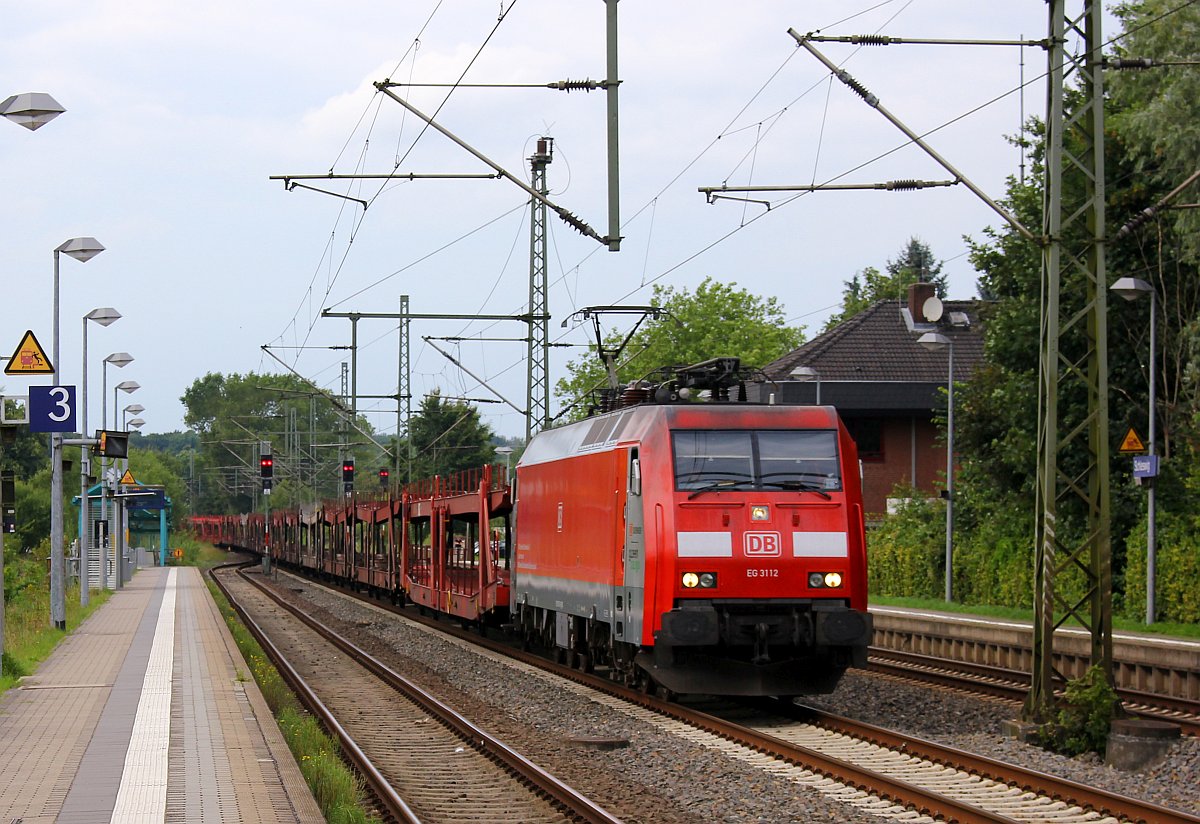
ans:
x=914 y=264
x=717 y=320
x=1155 y=110
x=448 y=437
x=233 y=414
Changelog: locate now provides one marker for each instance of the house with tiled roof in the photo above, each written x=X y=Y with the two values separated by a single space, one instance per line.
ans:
x=887 y=386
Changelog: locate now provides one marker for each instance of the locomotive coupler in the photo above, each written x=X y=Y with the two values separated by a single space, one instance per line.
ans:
x=761 y=654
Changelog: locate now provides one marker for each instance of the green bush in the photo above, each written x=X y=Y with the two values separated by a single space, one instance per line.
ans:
x=906 y=553
x=1177 y=569
x=1084 y=716
x=993 y=561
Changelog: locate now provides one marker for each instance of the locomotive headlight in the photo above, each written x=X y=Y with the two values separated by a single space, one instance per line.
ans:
x=760 y=513
x=708 y=580
x=816 y=580
x=691 y=580
x=833 y=579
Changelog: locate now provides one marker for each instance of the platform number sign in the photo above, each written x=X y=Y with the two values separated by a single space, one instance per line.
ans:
x=52 y=409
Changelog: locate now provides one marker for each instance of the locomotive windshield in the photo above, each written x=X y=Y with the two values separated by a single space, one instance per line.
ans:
x=756 y=459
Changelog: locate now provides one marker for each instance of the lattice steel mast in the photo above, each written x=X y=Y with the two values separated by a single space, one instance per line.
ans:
x=537 y=397
x=1073 y=455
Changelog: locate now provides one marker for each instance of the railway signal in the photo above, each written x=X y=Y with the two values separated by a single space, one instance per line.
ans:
x=266 y=467
x=348 y=475
x=383 y=477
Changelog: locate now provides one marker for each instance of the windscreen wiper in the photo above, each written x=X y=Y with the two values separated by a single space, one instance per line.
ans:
x=800 y=486
x=714 y=485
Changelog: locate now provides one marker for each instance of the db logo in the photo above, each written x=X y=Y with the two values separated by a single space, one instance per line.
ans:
x=762 y=544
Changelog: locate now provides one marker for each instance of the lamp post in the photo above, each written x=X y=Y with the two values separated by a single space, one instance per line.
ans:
x=31 y=109
x=806 y=373
x=82 y=249
x=120 y=360
x=119 y=466
x=34 y=110
x=1132 y=289
x=104 y=316
x=935 y=342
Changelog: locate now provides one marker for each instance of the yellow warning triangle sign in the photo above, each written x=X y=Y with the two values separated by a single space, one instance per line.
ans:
x=29 y=359
x=1132 y=442
x=127 y=478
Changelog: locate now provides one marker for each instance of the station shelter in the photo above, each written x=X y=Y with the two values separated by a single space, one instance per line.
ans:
x=147 y=520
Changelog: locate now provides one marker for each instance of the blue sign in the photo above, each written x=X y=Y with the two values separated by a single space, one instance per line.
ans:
x=52 y=409
x=1145 y=466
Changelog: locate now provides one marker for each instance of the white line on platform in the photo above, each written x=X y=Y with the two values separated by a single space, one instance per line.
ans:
x=143 y=793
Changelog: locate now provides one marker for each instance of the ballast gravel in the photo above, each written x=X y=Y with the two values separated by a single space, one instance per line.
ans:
x=653 y=776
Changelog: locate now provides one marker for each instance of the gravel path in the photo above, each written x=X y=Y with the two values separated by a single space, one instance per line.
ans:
x=659 y=778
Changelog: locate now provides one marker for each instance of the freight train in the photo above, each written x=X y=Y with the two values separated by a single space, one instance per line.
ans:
x=686 y=540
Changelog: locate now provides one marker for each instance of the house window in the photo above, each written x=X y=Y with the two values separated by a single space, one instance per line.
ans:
x=868 y=436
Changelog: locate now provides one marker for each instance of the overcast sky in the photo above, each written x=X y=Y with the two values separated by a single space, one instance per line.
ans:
x=178 y=115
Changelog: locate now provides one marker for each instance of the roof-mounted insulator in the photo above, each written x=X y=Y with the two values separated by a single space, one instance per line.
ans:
x=872 y=39
x=574 y=85
x=857 y=88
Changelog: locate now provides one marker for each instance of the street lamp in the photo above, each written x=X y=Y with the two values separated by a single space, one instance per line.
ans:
x=935 y=342
x=123 y=386
x=135 y=408
x=137 y=423
x=120 y=360
x=82 y=249
x=1132 y=289
x=105 y=316
x=31 y=109
x=506 y=451
x=806 y=373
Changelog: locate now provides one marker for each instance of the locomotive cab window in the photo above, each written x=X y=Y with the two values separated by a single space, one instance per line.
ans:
x=756 y=459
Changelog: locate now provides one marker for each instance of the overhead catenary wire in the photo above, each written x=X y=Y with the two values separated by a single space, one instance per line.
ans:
x=646 y=281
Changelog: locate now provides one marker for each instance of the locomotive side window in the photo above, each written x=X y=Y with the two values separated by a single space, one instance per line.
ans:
x=756 y=459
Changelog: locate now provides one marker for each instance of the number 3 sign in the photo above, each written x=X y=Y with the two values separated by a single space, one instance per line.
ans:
x=52 y=409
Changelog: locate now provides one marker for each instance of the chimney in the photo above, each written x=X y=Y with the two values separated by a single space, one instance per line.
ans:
x=918 y=293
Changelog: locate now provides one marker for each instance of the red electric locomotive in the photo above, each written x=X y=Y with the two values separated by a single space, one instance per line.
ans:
x=707 y=547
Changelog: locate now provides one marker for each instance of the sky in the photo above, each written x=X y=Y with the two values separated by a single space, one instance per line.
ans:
x=178 y=116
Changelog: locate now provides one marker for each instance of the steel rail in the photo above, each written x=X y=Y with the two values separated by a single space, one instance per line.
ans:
x=387 y=796
x=570 y=799
x=1094 y=798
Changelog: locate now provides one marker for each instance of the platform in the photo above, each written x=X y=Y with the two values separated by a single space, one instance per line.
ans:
x=146 y=713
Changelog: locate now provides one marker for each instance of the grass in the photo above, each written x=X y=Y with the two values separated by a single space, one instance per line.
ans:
x=28 y=637
x=336 y=789
x=1012 y=613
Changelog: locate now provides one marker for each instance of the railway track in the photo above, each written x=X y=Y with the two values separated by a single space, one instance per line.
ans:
x=422 y=760
x=876 y=767
x=1012 y=685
